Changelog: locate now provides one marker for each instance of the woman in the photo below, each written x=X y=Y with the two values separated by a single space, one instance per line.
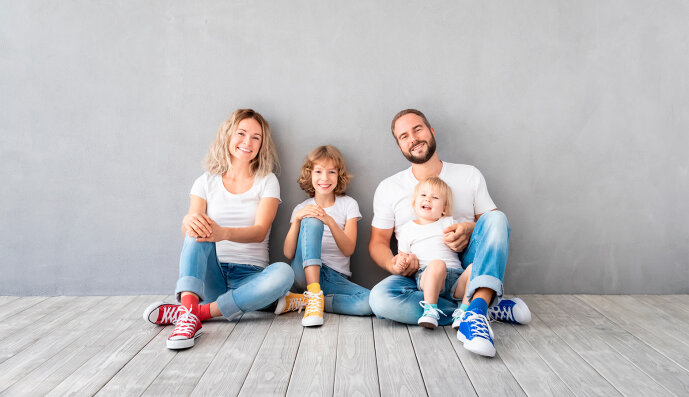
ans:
x=224 y=261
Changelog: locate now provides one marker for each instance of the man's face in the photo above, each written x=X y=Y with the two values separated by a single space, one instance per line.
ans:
x=415 y=139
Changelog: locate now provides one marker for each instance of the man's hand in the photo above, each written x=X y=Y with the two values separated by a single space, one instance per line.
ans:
x=405 y=264
x=458 y=235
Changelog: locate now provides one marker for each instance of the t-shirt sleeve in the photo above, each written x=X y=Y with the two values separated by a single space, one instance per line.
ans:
x=352 y=210
x=482 y=201
x=403 y=242
x=383 y=211
x=447 y=222
x=200 y=187
x=271 y=187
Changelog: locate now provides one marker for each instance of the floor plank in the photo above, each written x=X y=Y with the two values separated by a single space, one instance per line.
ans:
x=13 y=305
x=314 y=368
x=355 y=371
x=532 y=373
x=483 y=371
x=440 y=367
x=615 y=368
x=270 y=372
x=398 y=370
x=35 y=313
x=226 y=373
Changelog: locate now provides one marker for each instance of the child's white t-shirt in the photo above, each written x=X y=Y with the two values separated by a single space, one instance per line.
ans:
x=237 y=210
x=344 y=209
x=426 y=242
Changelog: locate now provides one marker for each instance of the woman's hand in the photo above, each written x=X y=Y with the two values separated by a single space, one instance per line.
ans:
x=218 y=233
x=310 y=211
x=197 y=225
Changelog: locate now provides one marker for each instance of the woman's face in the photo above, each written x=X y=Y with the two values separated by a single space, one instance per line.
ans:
x=246 y=141
x=324 y=176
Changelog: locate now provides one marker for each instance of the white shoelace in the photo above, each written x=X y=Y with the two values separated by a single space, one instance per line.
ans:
x=501 y=313
x=313 y=302
x=428 y=310
x=186 y=324
x=458 y=313
x=170 y=313
x=296 y=303
x=478 y=323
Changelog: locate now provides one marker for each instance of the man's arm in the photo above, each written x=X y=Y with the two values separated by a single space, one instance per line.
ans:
x=379 y=249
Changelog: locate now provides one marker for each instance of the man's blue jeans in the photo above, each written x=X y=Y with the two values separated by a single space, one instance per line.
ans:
x=397 y=297
x=237 y=288
x=341 y=295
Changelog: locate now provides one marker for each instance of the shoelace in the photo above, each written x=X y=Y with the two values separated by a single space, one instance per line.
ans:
x=478 y=323
x=313 y=303
x=428 y=310
x=458 y=313
x=296 y=303
x=501 y=313
x=170 y=313
x=186 y=324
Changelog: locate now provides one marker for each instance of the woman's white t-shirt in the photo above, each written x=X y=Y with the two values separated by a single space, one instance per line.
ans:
x=344 y=209
x=237 y=210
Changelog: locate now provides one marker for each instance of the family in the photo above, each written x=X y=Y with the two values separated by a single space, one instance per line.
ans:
x=448 y=269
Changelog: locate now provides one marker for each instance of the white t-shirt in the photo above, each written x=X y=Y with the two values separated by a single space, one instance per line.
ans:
x=426 y=242
x=236 y=210
x=392 y=201
x=344 y=209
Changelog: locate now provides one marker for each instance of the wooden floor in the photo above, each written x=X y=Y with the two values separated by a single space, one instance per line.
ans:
x=575 y=345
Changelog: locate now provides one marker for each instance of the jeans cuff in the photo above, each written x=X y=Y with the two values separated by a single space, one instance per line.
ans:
x=228 y=307
x=312 y=262
x=486 y=281
x=189 y=284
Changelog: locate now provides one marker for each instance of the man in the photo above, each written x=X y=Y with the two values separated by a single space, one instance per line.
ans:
x=480 y=238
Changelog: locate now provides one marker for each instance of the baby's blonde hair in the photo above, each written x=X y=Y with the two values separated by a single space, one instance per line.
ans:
x=437 y=185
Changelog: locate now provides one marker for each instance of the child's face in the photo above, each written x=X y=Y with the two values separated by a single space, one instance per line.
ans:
x=429 y=204
x=324 y=176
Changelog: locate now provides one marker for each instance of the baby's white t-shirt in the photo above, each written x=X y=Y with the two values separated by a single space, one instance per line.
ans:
x=237 y=210
x=426 y=242
x=344 y=209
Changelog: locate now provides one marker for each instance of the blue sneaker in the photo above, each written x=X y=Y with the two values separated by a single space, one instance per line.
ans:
x=512 y=311
x=474 y=331
x=431 y=315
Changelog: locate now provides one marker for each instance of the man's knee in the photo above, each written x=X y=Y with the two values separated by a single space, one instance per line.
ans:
x=495 y=219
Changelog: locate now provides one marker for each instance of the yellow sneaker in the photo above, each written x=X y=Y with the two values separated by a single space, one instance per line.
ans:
x=290 y=302
x=315 y=303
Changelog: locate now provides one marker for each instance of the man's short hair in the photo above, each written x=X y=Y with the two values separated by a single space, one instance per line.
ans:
x=407 y=111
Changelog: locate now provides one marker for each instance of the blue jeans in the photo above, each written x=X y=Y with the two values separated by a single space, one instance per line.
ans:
x=341 y=295
x=397 y=297
x=237 y=288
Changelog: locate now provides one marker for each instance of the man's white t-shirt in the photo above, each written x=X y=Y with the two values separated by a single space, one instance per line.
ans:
x=392 y=201
x=426 y=242
x=237 y=210
x=344 y=209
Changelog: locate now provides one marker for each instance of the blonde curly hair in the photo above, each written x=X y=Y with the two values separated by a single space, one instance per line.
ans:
x=327 y=152
x=217 y=160
x=437 y=185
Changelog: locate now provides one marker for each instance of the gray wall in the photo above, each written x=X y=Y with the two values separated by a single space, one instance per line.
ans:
x=576 y=113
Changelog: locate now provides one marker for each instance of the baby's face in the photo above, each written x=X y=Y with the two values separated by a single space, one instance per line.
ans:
x=429 y=204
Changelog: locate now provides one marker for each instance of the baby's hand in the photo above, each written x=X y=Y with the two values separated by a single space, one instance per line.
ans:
x=401 y=263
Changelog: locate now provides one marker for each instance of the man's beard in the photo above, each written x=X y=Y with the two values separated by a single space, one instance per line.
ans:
x=430 y=150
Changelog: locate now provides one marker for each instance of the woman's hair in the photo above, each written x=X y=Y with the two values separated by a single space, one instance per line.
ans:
x=437 y=185
x=321 y=153
x=218 y=158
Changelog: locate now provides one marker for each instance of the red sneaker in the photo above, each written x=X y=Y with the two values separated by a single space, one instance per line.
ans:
x=162 y=313
x=187 y=329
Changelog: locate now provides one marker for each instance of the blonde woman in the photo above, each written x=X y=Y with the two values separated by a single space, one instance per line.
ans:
x=224 y=262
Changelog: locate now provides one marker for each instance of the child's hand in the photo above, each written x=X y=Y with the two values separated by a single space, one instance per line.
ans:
x=310 y=211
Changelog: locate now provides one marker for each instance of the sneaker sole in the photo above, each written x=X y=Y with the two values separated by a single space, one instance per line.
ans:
x=427 y=324
x=482 y=349
x=150 y=309
x=183 y=343
x=455 y=324
x=280 y=308
x=312 y=321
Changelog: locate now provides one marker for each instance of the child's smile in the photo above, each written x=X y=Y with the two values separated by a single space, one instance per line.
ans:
x=324 y=177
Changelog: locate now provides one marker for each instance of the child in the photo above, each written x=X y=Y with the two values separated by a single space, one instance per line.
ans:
x=440 y=268
x=321 y=238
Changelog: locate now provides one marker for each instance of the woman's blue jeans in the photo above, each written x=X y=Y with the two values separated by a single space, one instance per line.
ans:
x=237 y=288
x=397 y=297
x=341 y=295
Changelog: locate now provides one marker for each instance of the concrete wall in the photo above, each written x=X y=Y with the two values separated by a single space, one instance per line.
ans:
x=576 y=113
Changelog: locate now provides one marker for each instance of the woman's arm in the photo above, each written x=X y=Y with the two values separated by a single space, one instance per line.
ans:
x=265 y=214
x=196 y=223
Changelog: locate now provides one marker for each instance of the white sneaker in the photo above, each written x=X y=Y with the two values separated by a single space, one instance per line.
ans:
x=457 y=318
x=431 y=315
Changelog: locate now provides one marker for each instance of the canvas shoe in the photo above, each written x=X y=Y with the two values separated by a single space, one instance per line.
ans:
x=290 y=302
x=476 y=334
x=162 y=313
x=187 y=329
x=457 y=317
x=315 y=303
x=429 y=318
x=510 y=311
